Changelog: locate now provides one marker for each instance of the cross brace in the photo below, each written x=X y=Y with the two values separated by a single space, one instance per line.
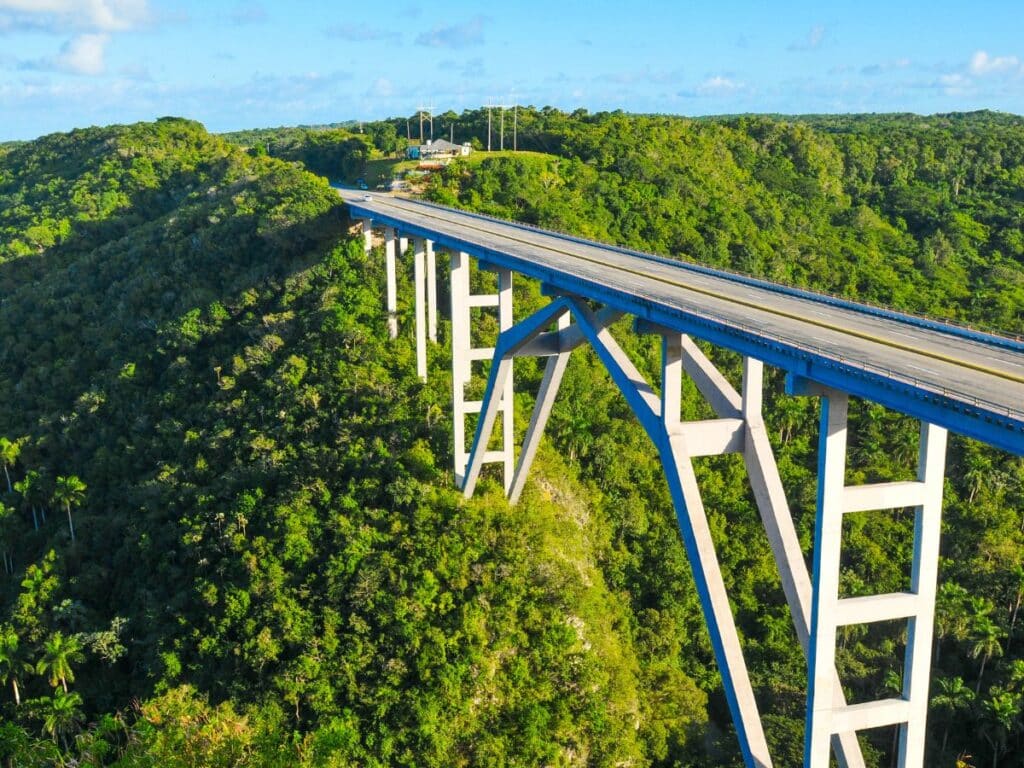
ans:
x=738 y=428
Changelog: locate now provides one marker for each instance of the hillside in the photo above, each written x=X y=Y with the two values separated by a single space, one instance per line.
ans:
x=271 y=565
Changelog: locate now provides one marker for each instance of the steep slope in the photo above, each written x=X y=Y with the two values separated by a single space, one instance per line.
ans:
x=268 y=523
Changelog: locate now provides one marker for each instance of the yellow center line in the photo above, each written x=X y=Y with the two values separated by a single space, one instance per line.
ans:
x=725 y=297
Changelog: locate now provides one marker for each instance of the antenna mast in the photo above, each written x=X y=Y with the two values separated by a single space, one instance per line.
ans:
x=489 y=108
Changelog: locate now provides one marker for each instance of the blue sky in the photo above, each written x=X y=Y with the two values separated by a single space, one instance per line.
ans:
x=71 y=63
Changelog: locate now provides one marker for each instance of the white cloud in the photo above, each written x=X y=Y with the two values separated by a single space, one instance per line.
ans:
x=83 y=54
x=90 y=22
x=63 y=15
x=983 y=64
x=719 y=86
x=463 y=35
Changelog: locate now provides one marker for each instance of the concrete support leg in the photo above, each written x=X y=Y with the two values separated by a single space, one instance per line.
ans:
x=500 y=382
x=507 y=383
x=389 y=265
x=828 y=531
x=660 y=417
x=825 y=716
x=778 y=524
x=431 y=292
x=419 y=280
x=696 y=532
x=553 y=371
x=923 y=578
x=770 y=497
x=460 y=311
x=403 y=245
x=367 y=234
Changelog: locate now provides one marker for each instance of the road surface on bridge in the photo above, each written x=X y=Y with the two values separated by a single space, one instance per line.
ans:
x=983 y=372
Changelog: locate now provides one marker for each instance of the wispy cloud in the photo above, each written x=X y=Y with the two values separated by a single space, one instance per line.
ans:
x=360 y=33
x=886 y=66
x=983 y=73
x=61 y=16
x=247 y=13
x=982 y=64
x=456 y=36
x=812 y=42
x=81 y=55
x=91 y=23
x=646 y=75
x=716 y=86
x=468 y=70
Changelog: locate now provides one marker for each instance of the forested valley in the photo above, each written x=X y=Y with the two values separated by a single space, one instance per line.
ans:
x=229 y=528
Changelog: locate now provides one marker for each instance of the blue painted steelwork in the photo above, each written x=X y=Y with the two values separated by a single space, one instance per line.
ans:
x=1006 y=342
x=979 y=420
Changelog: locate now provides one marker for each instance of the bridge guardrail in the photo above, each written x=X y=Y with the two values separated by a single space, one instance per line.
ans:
x=812 y=349
x=948 y=325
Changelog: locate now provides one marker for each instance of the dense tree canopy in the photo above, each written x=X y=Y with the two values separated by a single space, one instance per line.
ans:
x=270 y=565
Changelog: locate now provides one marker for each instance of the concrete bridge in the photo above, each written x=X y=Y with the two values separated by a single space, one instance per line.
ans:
x=949 y=378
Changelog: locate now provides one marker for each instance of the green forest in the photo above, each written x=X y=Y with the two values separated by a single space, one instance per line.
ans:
x=229 y=529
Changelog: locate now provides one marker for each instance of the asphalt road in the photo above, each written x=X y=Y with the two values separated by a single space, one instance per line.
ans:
x=940 y=360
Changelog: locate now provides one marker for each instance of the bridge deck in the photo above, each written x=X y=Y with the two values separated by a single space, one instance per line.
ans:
x=969 y=382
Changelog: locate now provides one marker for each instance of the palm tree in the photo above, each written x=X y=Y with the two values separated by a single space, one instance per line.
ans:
x=951 y=618
x=12 y=660
x=984 y=643
x=999 y=721
x=9 y=452
x=953 y=698
x=1018 y=586
x=30 y=488
x=59 y=653
x=69 y=491
x=62 y=715
x=5 y=523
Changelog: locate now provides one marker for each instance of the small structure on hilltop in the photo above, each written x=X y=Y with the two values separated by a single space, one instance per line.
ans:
x=440 y=150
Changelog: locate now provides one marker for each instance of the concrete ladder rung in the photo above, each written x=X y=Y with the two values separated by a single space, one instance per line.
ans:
x=481 y=353
x=878 y=496
x=494 y=457
x=871 y=714
x=872 y=608
x=475 y=406
x=482 y=300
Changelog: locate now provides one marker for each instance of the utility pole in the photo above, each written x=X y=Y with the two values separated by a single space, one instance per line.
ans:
x=515 y=128
x=489 y=107
x=501 y=131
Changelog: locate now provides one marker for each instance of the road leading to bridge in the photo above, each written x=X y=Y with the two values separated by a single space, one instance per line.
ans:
x=966 y=381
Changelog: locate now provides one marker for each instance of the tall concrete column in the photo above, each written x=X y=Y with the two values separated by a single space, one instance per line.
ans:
x=828 y=531
x=507 y=399
x=460 y=359
x=367 y=234
x=931 y=470
x=826 y=715
x=431 y=292
x=392 y=280
x=419 y=258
